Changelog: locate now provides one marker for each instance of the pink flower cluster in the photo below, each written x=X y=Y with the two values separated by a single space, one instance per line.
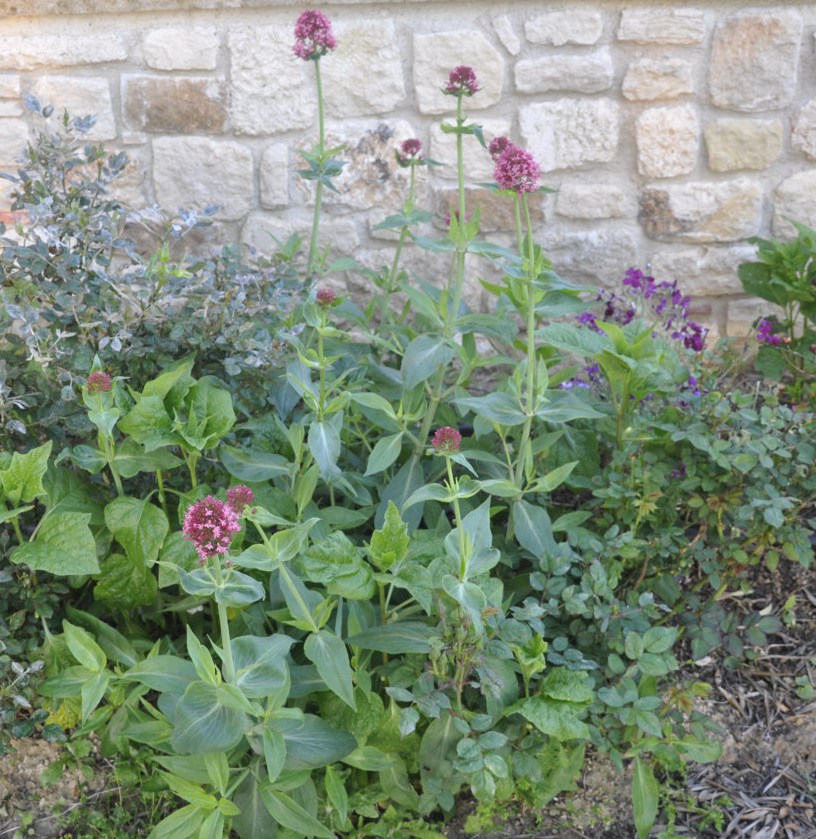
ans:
x=410 y=152
x=240 y=497
x=446 y=440
x=462 y=81
x=516 y=169
x=99 y=382
x=210 y=525
x=326 y=298
x=313 y=36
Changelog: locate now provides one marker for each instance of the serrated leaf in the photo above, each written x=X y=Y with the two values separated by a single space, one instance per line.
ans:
x=389 y=544
x=22 y=478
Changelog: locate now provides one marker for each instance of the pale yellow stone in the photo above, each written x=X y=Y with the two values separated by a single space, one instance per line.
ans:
x=734 y=144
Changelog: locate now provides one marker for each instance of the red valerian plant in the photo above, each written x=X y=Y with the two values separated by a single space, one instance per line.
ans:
x=462 y=81
x=99 y=382
x=313 y=36
x=240 y=497
x=210 y=525
x=446 y=440
x=516 y=169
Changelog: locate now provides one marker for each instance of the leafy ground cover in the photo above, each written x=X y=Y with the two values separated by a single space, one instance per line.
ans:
x=279 y=564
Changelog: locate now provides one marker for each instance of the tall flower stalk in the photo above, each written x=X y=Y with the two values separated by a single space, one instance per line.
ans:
x=313 y=40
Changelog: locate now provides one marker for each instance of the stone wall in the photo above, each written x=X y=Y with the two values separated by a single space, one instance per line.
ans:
x=672 y=133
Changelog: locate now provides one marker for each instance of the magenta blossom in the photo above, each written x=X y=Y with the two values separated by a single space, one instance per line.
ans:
x=99 y=382
x=240 y=497
x=410 y=152
x=462 y=81
x=765 y=333
x=497 y=146
x=210 y=525
x=313 y=36
x=326 y=298
x=446 y=440
x=517 y=170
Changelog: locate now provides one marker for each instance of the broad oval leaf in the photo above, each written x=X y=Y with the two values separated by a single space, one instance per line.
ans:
x=205 y=721
x=329 y=655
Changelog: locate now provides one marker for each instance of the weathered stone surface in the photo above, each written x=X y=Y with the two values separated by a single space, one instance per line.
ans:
x=662 y=26
x=437 y=54
x=754 y=60
x=496 y=212
x=131 y=186
x=274 y=174
x=743 y=314
x=600 y=257
x=570 y=132
x=734 y=144
x=803 y=137
x=198 y=172
x=9 y=87
x=794 y=198
x=649 y=78
x=701 y=211
x=13 y=139
x=667 y=141
x=265 y=233
x=579 y=73
x=10 y=108
x=174 y=105
x=181 y=48
x=478 y=163
x=594 y=201
x=272 y=91
x=31 y=52
x=81 y=95
x=703 y=271
x=364 y=74
x=503 y=27
x=371 y=176
x=573 y=26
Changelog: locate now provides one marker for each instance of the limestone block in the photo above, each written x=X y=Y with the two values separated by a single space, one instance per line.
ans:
x=181 y=48
x=11 y=108
x=81 y=95
x=274 y=173
x=803 y=137
x=794 y=198
x=594 y=201
x=364 y=75
x=743 y=314
x=478 y=163
x=13 y=140
x=570 y=132
x=371 y=176
x=272 y=90
x=667 y=141
x=31 y=52
x=580 y=73
x=496 y=212
x=598 y=257
x=662 y=26
x=435 y=55
x=174 y=105
x=265 y=233
x=198 y=172
x=703 y=271
x=503 y=27
x=573 y=26
x=701 y=211
x=9 y=87
x=754 y=59
x=734 y=144
x=131 y=187
x=649 y=78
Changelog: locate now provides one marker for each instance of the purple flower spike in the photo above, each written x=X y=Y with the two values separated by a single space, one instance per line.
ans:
x=462 y=81
x=313 y=36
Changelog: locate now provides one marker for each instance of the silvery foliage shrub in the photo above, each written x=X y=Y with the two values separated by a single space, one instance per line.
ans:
x=83 y=273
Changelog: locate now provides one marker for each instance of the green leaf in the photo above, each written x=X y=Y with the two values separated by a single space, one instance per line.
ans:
x=149 y=424
x=251 y=465
x=552 y=480
x=497 y=407
x=64 y=545
x=577 y=340
x=288 y=813
x=337 y=563
x=164 y=673
x=324 y=444
x=558 y=719
x=115 y=645
x=22 y=478
x=395 y=638
x=274 y=747
x=173 y=382
x=311 y=742
x=182 y=824
x=469 y=596
x=138 y=526
x=389 y=544
x=336 y=792
x=177 y=555
x=207 y=415
x=533 y=529
x=131 y=458
x=206 y=721
x=213 y=826
x=408 y=479
x=645 y=795
x=369 y=758
x=385 y=452
x=260 y=665
x=567 y=685
x=239 y=590
x=254 y=820
x=83 y=647
x=92 y=691
x=396 y=784
x=125 y=584
x=329 y=655
x=423 y=357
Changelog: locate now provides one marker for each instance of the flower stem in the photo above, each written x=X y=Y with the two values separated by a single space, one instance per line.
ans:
x=460 y=246
x=392 y=274
x=457 y=514
x=226 y=641
x=310 y=265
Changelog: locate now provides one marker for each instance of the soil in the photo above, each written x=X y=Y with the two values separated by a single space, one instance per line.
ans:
x=763 y=787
